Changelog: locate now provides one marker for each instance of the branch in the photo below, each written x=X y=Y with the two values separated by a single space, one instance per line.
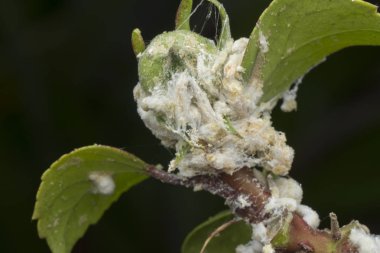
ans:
x=229 y=187
x=295 y=236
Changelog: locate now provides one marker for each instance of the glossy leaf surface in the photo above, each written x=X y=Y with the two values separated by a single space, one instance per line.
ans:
x=78 y=188
x=292 y=36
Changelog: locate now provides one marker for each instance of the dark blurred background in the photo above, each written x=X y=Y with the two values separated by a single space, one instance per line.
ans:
x=67 y=72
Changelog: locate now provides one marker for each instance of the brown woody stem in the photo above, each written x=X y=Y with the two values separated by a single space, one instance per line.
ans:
x=296 y=236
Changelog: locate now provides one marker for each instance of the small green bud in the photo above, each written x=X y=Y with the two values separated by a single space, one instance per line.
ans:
x=138 y=43
x=182 y=19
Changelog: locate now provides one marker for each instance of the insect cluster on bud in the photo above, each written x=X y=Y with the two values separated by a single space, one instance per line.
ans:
x=192 y=96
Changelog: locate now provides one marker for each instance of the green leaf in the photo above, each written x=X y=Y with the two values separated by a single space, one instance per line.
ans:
x=78 y=188
x=225 y=34
x=292 y=36
x=226 y=242
x=182 y=19
x=138 y=43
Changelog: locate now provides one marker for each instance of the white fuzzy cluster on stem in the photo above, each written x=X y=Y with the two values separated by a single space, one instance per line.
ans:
x=215 y=122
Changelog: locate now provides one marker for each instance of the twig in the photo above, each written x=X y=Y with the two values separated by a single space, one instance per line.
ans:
x=229 y=187
x=300 y=236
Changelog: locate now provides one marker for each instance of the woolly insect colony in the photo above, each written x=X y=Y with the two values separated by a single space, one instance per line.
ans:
x=212 y=102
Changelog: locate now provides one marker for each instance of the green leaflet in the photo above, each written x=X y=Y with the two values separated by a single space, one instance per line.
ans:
x=182 y=21
x=138 y=43
x=225 y=34
x=68 y=201
x=226 y=242
x=292 y=36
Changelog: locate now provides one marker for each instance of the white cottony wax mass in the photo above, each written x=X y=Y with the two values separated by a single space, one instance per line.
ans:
x=201 y=107
x=103 y=183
